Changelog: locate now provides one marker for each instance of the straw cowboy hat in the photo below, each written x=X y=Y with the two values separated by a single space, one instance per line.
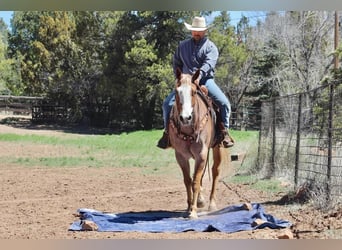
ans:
x=198 y=24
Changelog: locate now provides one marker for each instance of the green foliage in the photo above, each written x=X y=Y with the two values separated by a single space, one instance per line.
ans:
x=233 y=55
x=40 y=40
x=10 y=82
x=121 y=60
x=321 y=115
x=139 y=65
x=9 y=77
x=82 y=58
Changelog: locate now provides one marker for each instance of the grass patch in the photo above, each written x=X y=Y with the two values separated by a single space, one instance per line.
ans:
x=269 y=185
x=135 y=149
x=30 y=138
x=57 y=161
x=246 y=144
x=244 y=136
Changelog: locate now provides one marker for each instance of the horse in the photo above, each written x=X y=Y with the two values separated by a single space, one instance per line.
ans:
x=192 y=134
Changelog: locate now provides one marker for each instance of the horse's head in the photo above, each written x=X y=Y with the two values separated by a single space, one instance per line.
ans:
x=185 y=95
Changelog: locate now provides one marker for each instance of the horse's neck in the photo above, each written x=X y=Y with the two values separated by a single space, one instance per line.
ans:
x=200 y=112
x=204 y=97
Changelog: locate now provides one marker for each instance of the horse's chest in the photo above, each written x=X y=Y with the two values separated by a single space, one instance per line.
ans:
x=188 y=148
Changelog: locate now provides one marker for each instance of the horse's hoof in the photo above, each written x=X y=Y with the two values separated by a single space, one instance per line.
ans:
x=193 y=215
x=212 y=207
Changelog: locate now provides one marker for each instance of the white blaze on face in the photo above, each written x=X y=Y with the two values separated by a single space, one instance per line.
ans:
x=185 y=97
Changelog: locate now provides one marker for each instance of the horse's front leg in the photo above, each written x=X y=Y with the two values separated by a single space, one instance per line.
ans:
x=185 y=167
x=196 y=184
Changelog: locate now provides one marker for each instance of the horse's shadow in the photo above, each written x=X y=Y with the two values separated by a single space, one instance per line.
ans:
x=144 y=216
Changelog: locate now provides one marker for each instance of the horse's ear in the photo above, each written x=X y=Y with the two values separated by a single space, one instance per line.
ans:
x=178 y=73
x=196 y=75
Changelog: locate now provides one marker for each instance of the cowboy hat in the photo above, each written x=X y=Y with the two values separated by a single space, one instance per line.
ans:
x=198 y=24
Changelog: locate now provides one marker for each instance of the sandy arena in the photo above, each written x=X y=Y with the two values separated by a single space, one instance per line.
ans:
x=41 y=203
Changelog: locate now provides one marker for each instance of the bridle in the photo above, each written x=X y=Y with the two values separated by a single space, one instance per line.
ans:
x=197 y=122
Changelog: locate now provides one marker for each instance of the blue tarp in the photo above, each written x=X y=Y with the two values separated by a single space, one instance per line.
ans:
x=230 y=219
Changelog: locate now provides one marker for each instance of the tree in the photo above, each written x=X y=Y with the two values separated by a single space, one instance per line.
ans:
x=298 y=46
x=142 y=62
x=62 y=55
x=3 y=46
x=24 y=32
x=232 y=57
x=9 y=78
x=139 y=65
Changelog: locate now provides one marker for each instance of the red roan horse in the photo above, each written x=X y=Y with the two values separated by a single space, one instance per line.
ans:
x=192 y=132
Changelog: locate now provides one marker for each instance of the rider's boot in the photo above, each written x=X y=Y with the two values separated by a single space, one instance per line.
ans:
x=227 y=141
x=223 y=136
x=164 y=142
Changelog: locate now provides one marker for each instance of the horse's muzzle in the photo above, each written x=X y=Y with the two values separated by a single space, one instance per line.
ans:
x=185 y=119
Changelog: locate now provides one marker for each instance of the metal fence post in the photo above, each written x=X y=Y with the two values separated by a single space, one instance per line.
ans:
x=330 y=135
x=299 y=121
x=272 y=169
x=258 y=165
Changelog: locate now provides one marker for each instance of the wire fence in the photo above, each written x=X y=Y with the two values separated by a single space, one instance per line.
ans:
x=301 y=140
x=246 y=117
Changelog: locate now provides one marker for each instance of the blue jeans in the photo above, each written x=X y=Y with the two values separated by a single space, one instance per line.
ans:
x=216 y=94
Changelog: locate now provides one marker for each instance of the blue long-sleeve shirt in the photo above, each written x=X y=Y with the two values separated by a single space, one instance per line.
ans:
x=190 y=56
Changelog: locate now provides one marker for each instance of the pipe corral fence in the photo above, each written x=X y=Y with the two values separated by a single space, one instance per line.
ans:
x=17 y=105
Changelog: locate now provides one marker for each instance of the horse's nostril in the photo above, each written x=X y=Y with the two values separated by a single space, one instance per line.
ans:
x=185 y=119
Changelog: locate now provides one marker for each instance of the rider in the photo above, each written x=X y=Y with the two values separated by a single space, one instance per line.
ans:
x=198 y=52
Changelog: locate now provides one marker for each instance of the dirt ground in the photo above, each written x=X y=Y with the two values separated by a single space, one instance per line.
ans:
x=41 y=203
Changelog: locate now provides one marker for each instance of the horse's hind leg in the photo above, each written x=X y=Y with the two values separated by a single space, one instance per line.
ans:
x=200 y=200
x=215 y=173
